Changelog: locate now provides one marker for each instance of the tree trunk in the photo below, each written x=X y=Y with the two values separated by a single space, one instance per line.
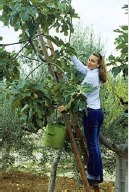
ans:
x=118 y=149
x=6 y=154
x=121 y=182
x=52 y=178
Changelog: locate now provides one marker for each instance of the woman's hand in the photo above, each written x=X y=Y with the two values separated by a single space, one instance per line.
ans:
x=61 y=108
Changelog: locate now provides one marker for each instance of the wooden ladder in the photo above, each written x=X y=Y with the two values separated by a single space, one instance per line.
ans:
x=80 y=142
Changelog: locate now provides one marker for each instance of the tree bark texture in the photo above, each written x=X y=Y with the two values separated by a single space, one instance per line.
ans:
x=121 y=182
x=118 y=149
x=52 y=179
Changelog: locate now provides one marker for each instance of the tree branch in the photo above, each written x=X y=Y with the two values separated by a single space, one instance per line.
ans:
x=125 y=148
x=22 y=41
x=34 y=48
x=41 y=33
x=40 y=57
x=29 y=58
x=33 y=70
x=21 y=49
x=115 y=148
x=42 y=64
x=14 y=43
x=70 y=31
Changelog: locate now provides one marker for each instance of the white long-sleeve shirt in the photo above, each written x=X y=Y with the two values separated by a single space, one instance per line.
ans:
x=92 y=77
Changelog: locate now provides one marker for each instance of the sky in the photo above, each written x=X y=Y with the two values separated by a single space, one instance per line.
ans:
x=104 y=15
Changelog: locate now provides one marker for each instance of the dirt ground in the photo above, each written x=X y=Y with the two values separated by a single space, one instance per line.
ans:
x=28 y=182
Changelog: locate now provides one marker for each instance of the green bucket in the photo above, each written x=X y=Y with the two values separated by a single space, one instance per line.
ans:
x=55 y=135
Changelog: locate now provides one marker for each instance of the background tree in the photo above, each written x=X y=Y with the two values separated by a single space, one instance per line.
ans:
x=14 y=138
x=120 y=63
x=118 y=124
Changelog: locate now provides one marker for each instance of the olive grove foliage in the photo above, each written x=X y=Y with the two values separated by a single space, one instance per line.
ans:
x=119 y=86
x=86 y=42
x=115 y=123
x=120 y=63
x=14 y=137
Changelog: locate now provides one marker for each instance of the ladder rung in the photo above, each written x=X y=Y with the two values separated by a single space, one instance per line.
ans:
x=82 y=153
x=77 y=139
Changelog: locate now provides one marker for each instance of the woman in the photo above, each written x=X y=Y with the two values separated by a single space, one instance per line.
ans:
x=95 y=72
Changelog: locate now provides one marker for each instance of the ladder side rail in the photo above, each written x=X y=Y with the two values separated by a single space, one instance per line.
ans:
x=79 y=135
x=76 y=153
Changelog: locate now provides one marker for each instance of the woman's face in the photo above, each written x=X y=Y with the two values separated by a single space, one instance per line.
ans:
x=93 y=62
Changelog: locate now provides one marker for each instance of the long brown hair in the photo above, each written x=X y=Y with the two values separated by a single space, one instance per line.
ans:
x=102 y=68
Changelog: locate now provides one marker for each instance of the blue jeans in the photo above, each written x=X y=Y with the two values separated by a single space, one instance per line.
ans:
x=92 y=124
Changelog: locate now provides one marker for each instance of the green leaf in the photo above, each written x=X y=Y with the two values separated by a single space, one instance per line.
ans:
x=1 y=5
x=1 y=38
x=24 y=118
x=55 y=40
x=22 y=84
x=124 y=27
x=56 y=87
x=65 y=29
x=8 y=96
x=125 y=114
x=32 y=26
x=25 y=108
x=17 y=26
x=116 y=70
x=16 y=8
x=33 y=11
x=25 y=14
